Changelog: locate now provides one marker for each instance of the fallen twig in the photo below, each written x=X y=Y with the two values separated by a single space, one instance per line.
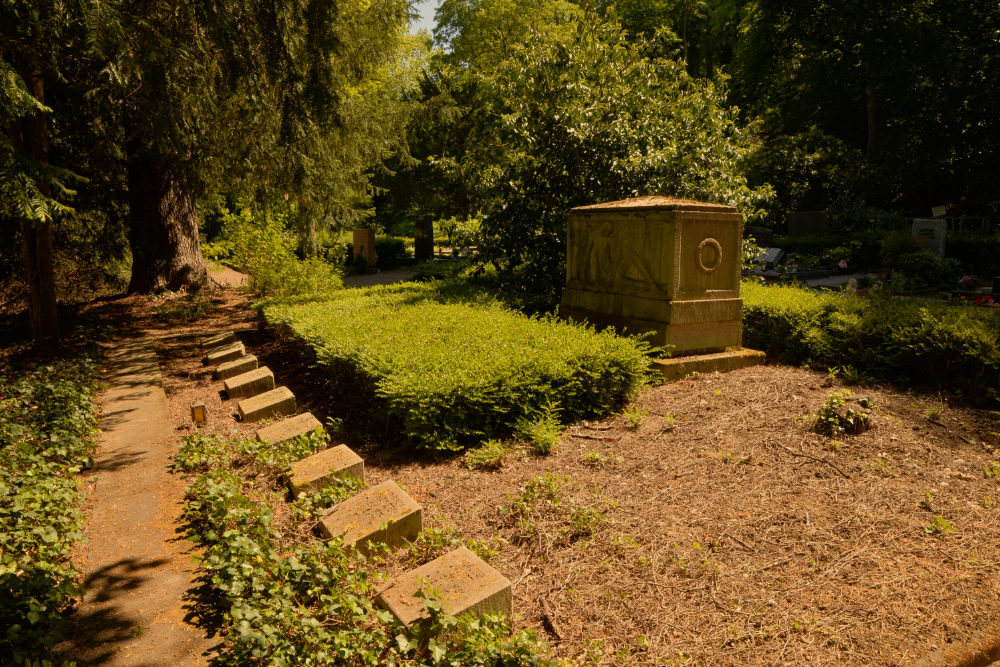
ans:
x=584 y=436
x=550 y=621
x=817 y=459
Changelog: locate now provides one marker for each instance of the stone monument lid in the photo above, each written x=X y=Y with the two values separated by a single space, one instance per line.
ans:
x=658 y=203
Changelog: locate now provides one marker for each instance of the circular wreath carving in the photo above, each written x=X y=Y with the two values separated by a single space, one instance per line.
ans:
x=700 y=255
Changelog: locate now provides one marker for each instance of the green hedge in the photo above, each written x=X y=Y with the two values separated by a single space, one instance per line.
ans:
x=451 y=369
x=903 y=341
x=47 y=433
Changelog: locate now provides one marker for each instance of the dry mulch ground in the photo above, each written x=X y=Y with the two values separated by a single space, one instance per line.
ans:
x=729 y=534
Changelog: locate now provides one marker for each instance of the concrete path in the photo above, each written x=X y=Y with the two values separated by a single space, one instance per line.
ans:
x=138 y=566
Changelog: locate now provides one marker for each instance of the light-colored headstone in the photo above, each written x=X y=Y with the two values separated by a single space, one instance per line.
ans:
x=235 y=367
x=768 y=258
x=250 y=383
x=315 y=471
x=215 y=340
x=226 y=353
x=931 y=232
x=653 y=264
x=939 y=211
x=290 y=428
x=460 y=580
x=383 y=513
x=275 y=403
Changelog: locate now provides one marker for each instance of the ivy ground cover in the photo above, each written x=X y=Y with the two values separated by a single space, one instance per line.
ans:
x=47 y=434
x=447 y=367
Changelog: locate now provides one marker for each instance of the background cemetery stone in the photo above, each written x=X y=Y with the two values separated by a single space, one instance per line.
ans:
x=931 y=232
x=808 y=223
x=364 y=246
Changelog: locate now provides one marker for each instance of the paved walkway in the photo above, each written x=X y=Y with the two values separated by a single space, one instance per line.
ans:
x=138 y=565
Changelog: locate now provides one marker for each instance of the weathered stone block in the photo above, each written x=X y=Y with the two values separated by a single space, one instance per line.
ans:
x=235 y=367
x=674 y=368
x=274 y=403
x=320 y=468
x=383 y=513
x=250 y=384
x=463 y=583
x=215 y=340
x=225 y=353
x=290 y=428
x=653 y=264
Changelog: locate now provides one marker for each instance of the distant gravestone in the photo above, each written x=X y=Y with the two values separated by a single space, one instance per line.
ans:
x=808 y=223
x=762 y=236
x=364 y=246
x=930 y=232
x=669 y=267
x=939 y=211
x=768 y=258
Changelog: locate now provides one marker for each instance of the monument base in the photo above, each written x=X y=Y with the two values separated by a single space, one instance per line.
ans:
x=675 y=368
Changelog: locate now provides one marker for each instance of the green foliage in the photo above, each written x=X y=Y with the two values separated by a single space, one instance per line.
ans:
x=488 y=456
x=47 y=434
x=634 y=416
x=938 y=525
x=390 y=252
x=287 y=602
x=542 y=429
x=907 y=341
x=449 y=367
x=828 y=422
x=588 y=118
x=810 y=171
x=461 y=232
x=264 y=248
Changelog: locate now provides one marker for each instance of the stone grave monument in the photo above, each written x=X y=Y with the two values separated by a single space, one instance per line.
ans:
x=931 y=232
x=666 y=267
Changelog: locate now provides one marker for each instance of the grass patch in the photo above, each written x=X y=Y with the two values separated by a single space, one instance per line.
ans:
x=903 y=341
x=48 y=432
x=448 y=367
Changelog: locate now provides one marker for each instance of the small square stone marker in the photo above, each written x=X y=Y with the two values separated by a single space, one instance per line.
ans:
x=235 y=367
x=289 y=429
x=274 y=403
x=225 y=353
x=320 y=468
x=464 y=582
x=221 y=338
x=250 y=384
x=383 y=513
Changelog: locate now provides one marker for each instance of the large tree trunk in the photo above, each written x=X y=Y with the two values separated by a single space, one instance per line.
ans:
x=874 y=118
x=166 y=250
x=37 y=235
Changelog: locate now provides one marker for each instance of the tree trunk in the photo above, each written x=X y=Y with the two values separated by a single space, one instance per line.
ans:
x=874 y=120
x=166 y=250
x=37 y=235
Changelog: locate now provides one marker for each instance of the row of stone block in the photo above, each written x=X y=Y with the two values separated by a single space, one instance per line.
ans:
x=242 y=378
x=383 y=514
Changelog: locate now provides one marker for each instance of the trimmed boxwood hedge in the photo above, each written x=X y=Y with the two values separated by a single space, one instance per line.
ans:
x=450 y=369
x=903 y=341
